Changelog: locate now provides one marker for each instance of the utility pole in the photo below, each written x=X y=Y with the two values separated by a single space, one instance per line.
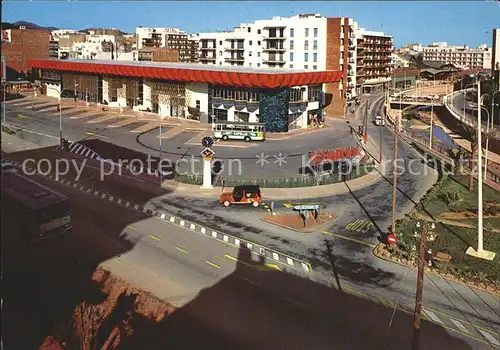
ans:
x=395 y=170
x=420 y=284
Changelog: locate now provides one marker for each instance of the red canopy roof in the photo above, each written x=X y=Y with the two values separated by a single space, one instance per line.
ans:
x=234 y=76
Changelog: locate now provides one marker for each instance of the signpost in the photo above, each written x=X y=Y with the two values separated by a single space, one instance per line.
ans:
x=207 y=154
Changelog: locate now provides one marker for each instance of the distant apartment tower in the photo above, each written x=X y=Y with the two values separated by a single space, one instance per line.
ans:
x=171 y=38
x=461 y=56
x=302 y=42
x=20 y=45
x=374 y=60
x=495 y=61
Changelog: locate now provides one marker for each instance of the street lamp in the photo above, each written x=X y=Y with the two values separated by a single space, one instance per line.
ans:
x=60 y=111
x=480 y=252
x=487 y=139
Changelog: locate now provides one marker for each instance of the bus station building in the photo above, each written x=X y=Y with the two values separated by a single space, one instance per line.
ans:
x=282 y=99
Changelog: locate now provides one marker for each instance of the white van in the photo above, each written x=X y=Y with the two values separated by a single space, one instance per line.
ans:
x=379 y=120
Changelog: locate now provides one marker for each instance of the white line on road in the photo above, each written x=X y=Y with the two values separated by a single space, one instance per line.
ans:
x=433 y=316
x=460 y=326
x=489 y=337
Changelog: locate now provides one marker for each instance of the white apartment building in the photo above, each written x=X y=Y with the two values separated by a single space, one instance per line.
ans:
x=308 y=42
x=495 y=60
x=461 y=56
x=147 y=37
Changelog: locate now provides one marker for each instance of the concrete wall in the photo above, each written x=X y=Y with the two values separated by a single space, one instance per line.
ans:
x=105 y=90
x=198 y=92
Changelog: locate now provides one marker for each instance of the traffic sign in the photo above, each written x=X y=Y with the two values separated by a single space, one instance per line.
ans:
x=207 y=142
x=391 y=239
x=207 y=153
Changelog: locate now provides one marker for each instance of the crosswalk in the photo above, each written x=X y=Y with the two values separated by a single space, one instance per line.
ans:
x=482 y=334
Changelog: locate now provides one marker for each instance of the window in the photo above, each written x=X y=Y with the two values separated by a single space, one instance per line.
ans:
x=315 y=67
x=292 y=32
x=220 y=53
x=249 y=29
x=306 y=66
x=315 y=57
x=291 y=56
x=315 y=31
x=220 y=42
x=249 y=53
x=198 y=104
x=315 y=44
x=306 y=45
x=342 y=42
x=258 y=42
x=296 y=94
x=291 y=44
x=258 y=64
x=291 y=66
x=314 y=92
x=258 y=31
x=306 y=57
x=249 y=64
x=258 y=53
x=250 y=42
x=306 y=32
x=220 y=114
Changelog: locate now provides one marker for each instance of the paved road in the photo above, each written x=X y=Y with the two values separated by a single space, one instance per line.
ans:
x=355 y=261
x=239 y=162
x=459 y=103
x=227 y=298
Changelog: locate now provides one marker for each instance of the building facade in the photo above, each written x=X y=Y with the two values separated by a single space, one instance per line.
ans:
x=307 y=41
x=282 y=100
x=158 y=54
x=460 y=56
x=495 y=61
x=20 y=45
x=171 y=38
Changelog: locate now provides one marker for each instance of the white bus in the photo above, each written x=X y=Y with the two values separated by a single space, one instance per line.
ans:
x=239 y=131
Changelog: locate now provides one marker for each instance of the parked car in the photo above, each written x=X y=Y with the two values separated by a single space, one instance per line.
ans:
x=379 y=120
x=245 y=194
x=8 y=167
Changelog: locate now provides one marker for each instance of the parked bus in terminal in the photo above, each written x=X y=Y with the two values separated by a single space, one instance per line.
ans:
x=32 y=212
x=239 y=131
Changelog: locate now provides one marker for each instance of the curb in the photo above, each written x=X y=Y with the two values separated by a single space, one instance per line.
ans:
x=430 y=272
x=292 y=229
x=285 y=260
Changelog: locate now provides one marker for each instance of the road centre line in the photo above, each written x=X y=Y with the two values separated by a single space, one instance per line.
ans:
x=97 y=135
x=182 y=250
x=154 y=237
x=212 y=264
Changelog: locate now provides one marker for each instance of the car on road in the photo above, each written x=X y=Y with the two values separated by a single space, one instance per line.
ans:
x=8 y=167
x=379 y=120
x=245 y=194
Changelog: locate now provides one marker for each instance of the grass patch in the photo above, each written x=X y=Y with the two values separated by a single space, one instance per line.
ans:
x=451 y=194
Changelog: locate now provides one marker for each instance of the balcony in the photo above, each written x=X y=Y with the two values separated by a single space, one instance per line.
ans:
x=206 y=58
x=270 y=38
x=351 y=60
x=207 y=48
x=360 y=63
x=235 y=59
x=237 y=48
x=275 y=48
x=274 y=60
x=351 y=73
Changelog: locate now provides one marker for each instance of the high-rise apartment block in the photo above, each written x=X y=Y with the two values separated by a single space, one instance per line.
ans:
x=306 y=42
x=171 y=38
x=460 y=56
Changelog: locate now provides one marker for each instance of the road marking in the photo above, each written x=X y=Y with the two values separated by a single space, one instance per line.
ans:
x=182 y=250
x=154 y=237
x=460 y=326
x=294 y=301
x=260 y=267
x=132 y=227
x=368 y=244
x=97 y=135
x=360 y=226
x=21 y=116
x=460 y=320
x=291 y=205
x=212 y=264
x=489 y=337
x=433 y=316
x=250 y=281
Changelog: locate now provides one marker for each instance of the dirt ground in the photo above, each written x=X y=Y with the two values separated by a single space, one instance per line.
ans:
x=294 y=222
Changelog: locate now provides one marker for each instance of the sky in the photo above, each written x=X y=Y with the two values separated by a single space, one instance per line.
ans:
x=456 y=22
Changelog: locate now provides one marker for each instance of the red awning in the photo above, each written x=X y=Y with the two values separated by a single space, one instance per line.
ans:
x=192 y=74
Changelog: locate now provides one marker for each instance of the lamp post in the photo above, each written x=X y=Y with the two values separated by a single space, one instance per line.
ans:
x=432 y=114
x=480 y=252
x=4 y=85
